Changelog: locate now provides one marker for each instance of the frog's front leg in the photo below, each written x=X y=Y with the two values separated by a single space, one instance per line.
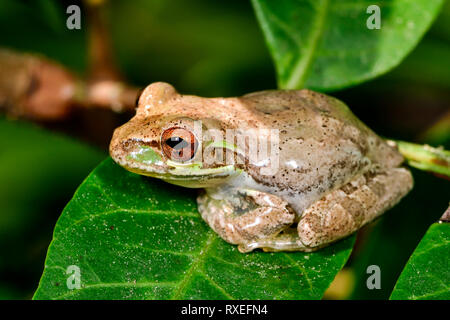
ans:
x=243 y=216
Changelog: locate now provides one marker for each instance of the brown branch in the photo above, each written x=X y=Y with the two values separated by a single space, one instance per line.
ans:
x=37 y=88
x=102 y=65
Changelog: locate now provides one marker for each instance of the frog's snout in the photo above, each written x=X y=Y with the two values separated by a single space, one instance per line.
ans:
x=134 y=152
x=117 y=149
x=122 y=143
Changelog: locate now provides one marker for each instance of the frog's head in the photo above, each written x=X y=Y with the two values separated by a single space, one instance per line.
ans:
x=166 y=139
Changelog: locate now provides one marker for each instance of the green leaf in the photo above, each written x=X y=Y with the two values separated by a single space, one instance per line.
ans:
x=139 y=238
x=325 y=44
x=427 y=273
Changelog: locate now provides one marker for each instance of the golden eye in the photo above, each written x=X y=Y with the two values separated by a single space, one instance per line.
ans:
x=179 y=144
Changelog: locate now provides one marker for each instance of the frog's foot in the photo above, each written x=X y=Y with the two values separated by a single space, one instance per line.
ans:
x=341 y=212
x=245 y=216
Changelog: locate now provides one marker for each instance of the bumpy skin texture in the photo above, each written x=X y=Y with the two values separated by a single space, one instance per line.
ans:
x=352 y=206
x=334 y=174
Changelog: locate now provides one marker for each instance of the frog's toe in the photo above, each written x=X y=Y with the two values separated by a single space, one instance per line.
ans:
x=288 y=240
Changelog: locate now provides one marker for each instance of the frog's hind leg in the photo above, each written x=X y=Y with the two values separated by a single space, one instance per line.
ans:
x=242 y=216
x=349 y=208
x=341 y=212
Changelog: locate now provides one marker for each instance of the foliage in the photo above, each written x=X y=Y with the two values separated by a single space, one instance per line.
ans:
x=138 y=238
x=427 y=272
x=325 y=44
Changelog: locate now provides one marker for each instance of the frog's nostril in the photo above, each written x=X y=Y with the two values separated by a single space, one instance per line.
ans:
x=126 y=145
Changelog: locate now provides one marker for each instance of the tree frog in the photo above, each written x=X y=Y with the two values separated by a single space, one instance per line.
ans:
x=322 y=176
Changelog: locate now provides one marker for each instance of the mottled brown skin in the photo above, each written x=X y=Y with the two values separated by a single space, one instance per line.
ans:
x=334 y=176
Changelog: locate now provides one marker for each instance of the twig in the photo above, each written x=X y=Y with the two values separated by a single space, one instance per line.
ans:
x=425 y=157
x=102 y=64
x=37 y=88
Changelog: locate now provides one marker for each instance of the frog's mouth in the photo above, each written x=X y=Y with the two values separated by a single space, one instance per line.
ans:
x=145 y=161
x=191 y=177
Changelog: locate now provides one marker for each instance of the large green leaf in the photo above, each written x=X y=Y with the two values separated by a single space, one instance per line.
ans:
x=138 y=238
x=325 y=44
x=427 y=273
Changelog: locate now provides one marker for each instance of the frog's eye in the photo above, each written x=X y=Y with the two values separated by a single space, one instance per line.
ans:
x=179 y=144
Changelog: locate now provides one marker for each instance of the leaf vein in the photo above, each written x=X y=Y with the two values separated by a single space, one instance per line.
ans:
x=303 y=65
x=194 y=266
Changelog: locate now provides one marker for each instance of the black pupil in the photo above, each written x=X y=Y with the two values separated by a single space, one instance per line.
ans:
x=176 y=143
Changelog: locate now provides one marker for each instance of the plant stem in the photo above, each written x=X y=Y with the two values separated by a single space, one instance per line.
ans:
x=425 y=157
